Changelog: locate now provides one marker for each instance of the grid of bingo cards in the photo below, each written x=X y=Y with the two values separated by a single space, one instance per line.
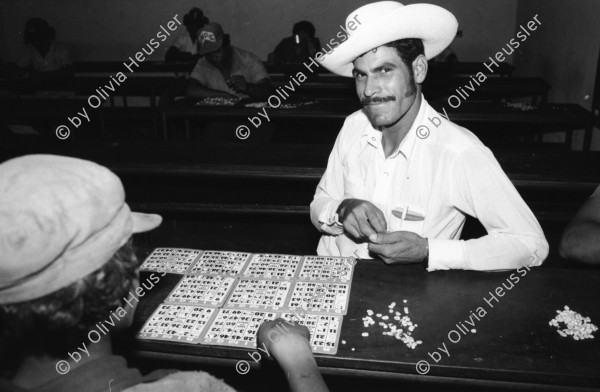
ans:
x=269 y=282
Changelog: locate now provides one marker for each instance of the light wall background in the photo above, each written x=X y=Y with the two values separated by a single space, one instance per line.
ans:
x=116 y=29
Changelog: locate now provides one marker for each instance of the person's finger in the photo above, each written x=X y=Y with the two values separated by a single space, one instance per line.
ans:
x=378 y=249
x=365 y=227
x=386 y=238
x=376 y=219
x=351 y=226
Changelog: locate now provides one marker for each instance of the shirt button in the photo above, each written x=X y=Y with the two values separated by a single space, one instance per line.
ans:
x=373 y=138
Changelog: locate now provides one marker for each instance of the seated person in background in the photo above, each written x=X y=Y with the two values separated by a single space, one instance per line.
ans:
x=185 y=48
x=67 y=265
x=581 y=239
x=44 y=57
x=401 y=177
x=298 y=48
x=226 y=71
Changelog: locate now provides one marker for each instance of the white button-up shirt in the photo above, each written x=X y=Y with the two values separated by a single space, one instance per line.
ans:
x=439 y=173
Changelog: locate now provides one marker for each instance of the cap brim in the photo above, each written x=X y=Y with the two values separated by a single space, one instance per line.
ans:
x=145 y=222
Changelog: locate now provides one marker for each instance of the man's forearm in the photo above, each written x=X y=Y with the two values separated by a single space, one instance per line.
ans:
x=494 y=251
x=581 y=242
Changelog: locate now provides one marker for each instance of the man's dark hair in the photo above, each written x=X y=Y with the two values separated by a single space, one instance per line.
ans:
x=304 y=25
x=38 y=28
x=408 y=49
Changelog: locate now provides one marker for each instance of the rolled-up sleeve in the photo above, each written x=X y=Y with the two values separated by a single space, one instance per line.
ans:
x=481 y=189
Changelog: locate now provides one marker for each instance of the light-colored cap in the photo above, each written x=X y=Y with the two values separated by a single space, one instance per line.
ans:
x=60 y=219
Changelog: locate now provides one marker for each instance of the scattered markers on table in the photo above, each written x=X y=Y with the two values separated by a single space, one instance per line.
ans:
x=577 y=326
x=401 y=332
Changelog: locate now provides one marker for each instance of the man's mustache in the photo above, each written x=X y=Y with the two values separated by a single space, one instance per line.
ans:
x=371 y=100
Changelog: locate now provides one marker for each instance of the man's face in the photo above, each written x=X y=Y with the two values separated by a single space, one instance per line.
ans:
x=385 y=86
x=218 y=57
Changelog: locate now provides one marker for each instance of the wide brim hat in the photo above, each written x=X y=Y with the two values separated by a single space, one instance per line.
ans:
x=382 y=22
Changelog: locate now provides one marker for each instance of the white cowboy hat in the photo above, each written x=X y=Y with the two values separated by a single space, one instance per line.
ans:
x=387 y=21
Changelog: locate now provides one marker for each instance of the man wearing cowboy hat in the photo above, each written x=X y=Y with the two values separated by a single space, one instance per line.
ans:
x=401 y=177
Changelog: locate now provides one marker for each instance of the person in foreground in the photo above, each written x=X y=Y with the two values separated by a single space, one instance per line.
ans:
x=581 y=239
x=67 y=265
x=226 y=71
x=401 y=176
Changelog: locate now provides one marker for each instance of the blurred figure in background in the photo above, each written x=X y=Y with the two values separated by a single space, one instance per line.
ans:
x=185 y=47
x=298 y=48
x=225 y=70
x=44 y=56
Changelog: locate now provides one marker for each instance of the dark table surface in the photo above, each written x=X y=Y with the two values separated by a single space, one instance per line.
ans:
x=513 y=343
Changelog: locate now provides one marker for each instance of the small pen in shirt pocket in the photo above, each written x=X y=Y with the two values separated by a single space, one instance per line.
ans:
x=407 y=215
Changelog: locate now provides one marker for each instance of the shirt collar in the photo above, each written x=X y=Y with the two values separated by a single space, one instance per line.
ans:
x=373 y=136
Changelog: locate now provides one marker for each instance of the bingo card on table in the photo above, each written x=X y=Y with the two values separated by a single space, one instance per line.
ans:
x=177 y=323
x=235 y=327
x=173 y=260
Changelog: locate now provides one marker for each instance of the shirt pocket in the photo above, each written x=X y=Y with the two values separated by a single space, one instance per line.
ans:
x=414 y=220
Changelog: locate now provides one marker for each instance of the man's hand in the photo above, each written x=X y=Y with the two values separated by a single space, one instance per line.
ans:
x=285 y=340
x=361 y=218
x=403 y=247
x=238 y=84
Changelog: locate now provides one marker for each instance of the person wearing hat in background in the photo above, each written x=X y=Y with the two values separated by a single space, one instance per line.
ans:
x=44 y=57
x=225 y=70
x=401 y=176
x=185 y=46
x=67 y=264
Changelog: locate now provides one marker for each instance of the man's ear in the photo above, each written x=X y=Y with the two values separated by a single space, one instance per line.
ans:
x=419 y=67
